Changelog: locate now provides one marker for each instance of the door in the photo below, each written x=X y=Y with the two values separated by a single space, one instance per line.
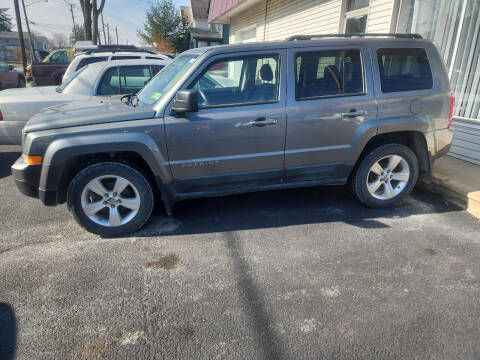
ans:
x=237 y=137
x=330 y=106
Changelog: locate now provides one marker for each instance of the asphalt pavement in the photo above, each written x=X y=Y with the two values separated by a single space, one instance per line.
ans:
x=296 y=274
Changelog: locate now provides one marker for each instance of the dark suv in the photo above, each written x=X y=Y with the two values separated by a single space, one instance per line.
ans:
x=371 y=111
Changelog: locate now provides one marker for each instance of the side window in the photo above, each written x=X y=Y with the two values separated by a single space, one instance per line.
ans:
x=110 y=84
x=241 y=80
x=404 y=69
x=154 y=69
x=328 y=73
x=133 y=78
x=126 y=57
x=90 y=60
x=60 y=57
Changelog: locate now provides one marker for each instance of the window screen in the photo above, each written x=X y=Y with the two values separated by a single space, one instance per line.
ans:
x=404 y=69
x=328 y=73
x=90 y=60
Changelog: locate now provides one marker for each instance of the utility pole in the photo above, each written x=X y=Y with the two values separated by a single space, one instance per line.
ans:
x=108 y=31
x=103 y=25
x=32 y=46
x=73 y=21
x=116 y=32
x=20 y=35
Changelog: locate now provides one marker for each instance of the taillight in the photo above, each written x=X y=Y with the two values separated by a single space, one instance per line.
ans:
x=452 y=106
x=1 y=115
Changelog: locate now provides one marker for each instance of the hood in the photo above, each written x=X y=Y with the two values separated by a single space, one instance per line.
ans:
x=29 y=92
x=96 y=111
x=22 y=104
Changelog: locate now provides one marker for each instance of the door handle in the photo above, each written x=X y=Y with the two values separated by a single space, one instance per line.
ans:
x=354 y=113
x=260 y=122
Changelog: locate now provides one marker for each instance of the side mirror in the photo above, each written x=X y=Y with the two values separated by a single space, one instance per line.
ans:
x=11 y=67
x=185 y=101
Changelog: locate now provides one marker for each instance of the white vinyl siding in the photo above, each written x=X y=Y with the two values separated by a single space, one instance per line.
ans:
x=288 y=17
x=380 y=16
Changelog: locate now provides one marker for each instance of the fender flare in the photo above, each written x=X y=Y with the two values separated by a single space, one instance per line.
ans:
x=61 y=150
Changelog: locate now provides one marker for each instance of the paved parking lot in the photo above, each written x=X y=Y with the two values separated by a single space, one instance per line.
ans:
x=301 y=274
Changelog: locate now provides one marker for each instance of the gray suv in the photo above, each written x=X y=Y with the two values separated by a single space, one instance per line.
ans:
x=371 y=111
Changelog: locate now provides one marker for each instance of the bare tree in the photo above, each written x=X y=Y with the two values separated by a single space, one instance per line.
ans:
x=91 y=12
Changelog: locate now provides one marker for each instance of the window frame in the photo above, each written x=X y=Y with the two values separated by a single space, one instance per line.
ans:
x=343 y=51
x=241 y=57
x=355 y=14
x=403 y=48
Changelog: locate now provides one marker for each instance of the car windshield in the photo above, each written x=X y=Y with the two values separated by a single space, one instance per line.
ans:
x=166 y=79
x=62 y=86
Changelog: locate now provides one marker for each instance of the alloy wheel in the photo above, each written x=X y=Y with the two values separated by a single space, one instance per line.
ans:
x=110 y=200
x=388 y=177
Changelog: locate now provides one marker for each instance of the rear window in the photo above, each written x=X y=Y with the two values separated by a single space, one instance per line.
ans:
x=403 y=69
x=328 y=73
x=90 y=60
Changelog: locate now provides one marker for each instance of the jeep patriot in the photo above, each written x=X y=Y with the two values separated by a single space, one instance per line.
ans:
x=372 y=111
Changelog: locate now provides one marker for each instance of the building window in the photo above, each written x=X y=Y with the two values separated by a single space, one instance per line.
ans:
x=357 y=4
x=356 y=25
x=356 y=15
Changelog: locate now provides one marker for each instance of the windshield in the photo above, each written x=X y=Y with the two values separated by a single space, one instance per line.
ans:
x=166 y=79
x=70 y=79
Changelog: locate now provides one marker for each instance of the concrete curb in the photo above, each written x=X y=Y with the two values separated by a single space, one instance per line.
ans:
x=469 y=202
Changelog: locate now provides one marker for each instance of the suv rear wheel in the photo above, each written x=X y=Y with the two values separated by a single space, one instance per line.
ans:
x=385 y=176
x=110 y=199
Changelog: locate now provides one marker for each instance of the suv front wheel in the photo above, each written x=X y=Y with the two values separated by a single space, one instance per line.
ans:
x=110 y=199
x=385 y=176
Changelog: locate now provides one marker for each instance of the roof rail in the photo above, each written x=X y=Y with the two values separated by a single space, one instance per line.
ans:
x=310 y=37
x=115 y=50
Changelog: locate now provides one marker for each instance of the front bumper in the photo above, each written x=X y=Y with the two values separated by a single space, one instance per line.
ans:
x=27 y=180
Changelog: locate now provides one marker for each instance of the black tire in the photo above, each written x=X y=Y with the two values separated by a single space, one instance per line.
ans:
x=136 y=178
x=359 y=180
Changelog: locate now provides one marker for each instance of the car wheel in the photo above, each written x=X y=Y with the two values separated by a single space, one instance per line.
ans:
x=385 y=176
x=110 y=199
x=21 y=82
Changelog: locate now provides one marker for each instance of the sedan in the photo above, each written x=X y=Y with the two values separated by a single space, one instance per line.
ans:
x=103 y=79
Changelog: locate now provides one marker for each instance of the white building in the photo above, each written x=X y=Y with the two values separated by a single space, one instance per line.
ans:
x=454 y=25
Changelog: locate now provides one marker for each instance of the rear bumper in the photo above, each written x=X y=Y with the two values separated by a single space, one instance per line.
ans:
x=27 y=179
x=443 y=138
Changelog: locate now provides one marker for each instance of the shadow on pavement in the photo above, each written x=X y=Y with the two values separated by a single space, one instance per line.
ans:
x=284 y=208
x=7 y=159
x=8 y=332
x=266 y=338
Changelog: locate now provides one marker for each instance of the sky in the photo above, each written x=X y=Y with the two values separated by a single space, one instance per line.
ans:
x=48 y=17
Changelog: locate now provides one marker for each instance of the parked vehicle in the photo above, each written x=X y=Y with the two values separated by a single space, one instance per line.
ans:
x=9 y=77
x=370 y=111
x=96 y=80
x=50 y=71
x=94 y=56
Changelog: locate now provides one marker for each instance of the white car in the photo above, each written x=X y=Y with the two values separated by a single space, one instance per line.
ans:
x=103 y=79
x=93 y=56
